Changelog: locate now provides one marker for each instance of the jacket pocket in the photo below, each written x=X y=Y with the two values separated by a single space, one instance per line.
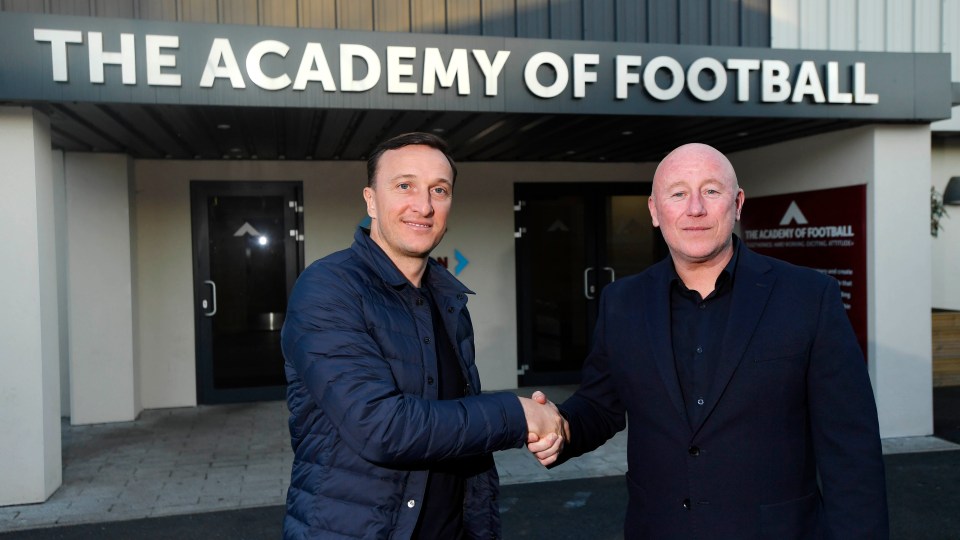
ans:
x=790 y=520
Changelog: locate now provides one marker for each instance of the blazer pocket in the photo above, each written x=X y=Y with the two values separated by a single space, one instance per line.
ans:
x=790 y=520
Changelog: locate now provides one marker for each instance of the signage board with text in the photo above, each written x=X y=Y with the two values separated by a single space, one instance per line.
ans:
x=825 y=230
x=85 y=59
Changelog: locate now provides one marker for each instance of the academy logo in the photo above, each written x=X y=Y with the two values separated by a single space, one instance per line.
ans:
x=793 y=214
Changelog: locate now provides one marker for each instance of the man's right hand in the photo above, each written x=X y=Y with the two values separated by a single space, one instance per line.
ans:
x=548 y=430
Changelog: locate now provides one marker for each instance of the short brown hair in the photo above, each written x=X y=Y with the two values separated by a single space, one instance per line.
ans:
x=407 y=139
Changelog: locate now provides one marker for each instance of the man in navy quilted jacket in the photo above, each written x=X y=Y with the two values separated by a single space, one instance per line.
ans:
x=391 y=436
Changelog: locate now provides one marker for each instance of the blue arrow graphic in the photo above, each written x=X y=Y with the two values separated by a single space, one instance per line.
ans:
x=462 y=262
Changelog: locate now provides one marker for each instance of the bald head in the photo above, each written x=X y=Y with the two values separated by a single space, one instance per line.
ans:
x=695 y=157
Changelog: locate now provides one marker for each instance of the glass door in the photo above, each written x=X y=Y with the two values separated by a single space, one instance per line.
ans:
x=247 y=254
x=573 y=240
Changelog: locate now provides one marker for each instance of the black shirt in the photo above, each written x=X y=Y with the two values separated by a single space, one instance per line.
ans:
x=696 y=328
x=442 y=512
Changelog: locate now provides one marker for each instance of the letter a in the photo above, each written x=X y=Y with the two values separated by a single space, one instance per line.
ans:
x=221 y=51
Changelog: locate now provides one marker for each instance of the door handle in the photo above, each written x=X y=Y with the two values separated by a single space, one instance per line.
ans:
x=613 y=274
x=213 y=290
x=588 y=289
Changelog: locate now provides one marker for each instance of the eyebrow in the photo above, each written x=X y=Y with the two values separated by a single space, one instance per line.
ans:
x=413 y=176
x=685 y=183
x=674 y=185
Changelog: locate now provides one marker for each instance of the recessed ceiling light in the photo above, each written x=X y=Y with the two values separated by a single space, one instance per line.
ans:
x=235 y=150
x=571 y=152
x=438 y=130
x=223 y=126
x=743 y=134
x=627 y=132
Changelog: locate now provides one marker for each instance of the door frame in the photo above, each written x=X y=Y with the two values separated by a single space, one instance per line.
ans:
x=207 y=393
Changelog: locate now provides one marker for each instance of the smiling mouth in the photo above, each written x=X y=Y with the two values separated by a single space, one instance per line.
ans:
x=418 y=225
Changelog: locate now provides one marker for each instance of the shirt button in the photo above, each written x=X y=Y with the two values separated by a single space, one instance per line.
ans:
x=694 y=451
x=429 y=380
x=686 y=503
x=703 y=305
x=700 y=401
x=699 y=350
x=426 y=340
x=411 y=503
x=450 y=309
x=419 y=301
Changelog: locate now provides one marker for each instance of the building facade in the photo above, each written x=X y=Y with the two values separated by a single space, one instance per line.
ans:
x=170 y=166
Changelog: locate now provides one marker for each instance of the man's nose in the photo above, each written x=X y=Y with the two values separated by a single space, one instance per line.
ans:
x=423 y=203
x=695 y=205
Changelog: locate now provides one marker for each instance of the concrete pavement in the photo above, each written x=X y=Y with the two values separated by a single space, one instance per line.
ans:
x=228 y=457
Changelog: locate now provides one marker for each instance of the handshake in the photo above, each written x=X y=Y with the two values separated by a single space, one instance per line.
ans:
x=547 y=430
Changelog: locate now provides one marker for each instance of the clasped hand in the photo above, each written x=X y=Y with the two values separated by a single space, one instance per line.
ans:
x=547 y=429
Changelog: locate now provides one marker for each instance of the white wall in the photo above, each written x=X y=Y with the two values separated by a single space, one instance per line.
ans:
x=946 y=247
x=901 y=252
x=29 y=335
x=481 y=227
x=100 y=289
x=892 y=162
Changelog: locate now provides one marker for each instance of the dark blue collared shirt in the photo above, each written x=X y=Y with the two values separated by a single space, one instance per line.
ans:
x=442 y=513
x=696 y=329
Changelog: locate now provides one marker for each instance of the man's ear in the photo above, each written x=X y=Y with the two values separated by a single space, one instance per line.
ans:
x=371 y=205
x=652 y=206
x=740 y=200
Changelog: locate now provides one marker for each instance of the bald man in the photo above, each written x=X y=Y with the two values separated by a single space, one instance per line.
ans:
x=750 y=410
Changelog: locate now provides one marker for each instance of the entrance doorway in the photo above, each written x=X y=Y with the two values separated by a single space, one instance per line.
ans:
x=573 y=240
x=247 y=253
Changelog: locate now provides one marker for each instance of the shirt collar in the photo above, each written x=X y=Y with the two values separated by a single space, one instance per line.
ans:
x=435 y=276
x=724 y=280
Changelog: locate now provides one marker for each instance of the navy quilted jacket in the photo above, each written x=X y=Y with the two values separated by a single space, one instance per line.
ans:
x=365 y=423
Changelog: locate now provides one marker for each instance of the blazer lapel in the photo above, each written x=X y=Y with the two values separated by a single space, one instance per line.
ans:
x=657 y=318
x=752 y=285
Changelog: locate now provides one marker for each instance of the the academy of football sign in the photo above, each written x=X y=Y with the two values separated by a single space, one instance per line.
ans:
x=56 y=58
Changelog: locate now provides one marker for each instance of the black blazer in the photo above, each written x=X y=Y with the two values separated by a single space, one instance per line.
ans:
x=791 y=399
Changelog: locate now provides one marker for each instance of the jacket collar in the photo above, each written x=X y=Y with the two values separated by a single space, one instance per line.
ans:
x=751 y=290
x=437 y=277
